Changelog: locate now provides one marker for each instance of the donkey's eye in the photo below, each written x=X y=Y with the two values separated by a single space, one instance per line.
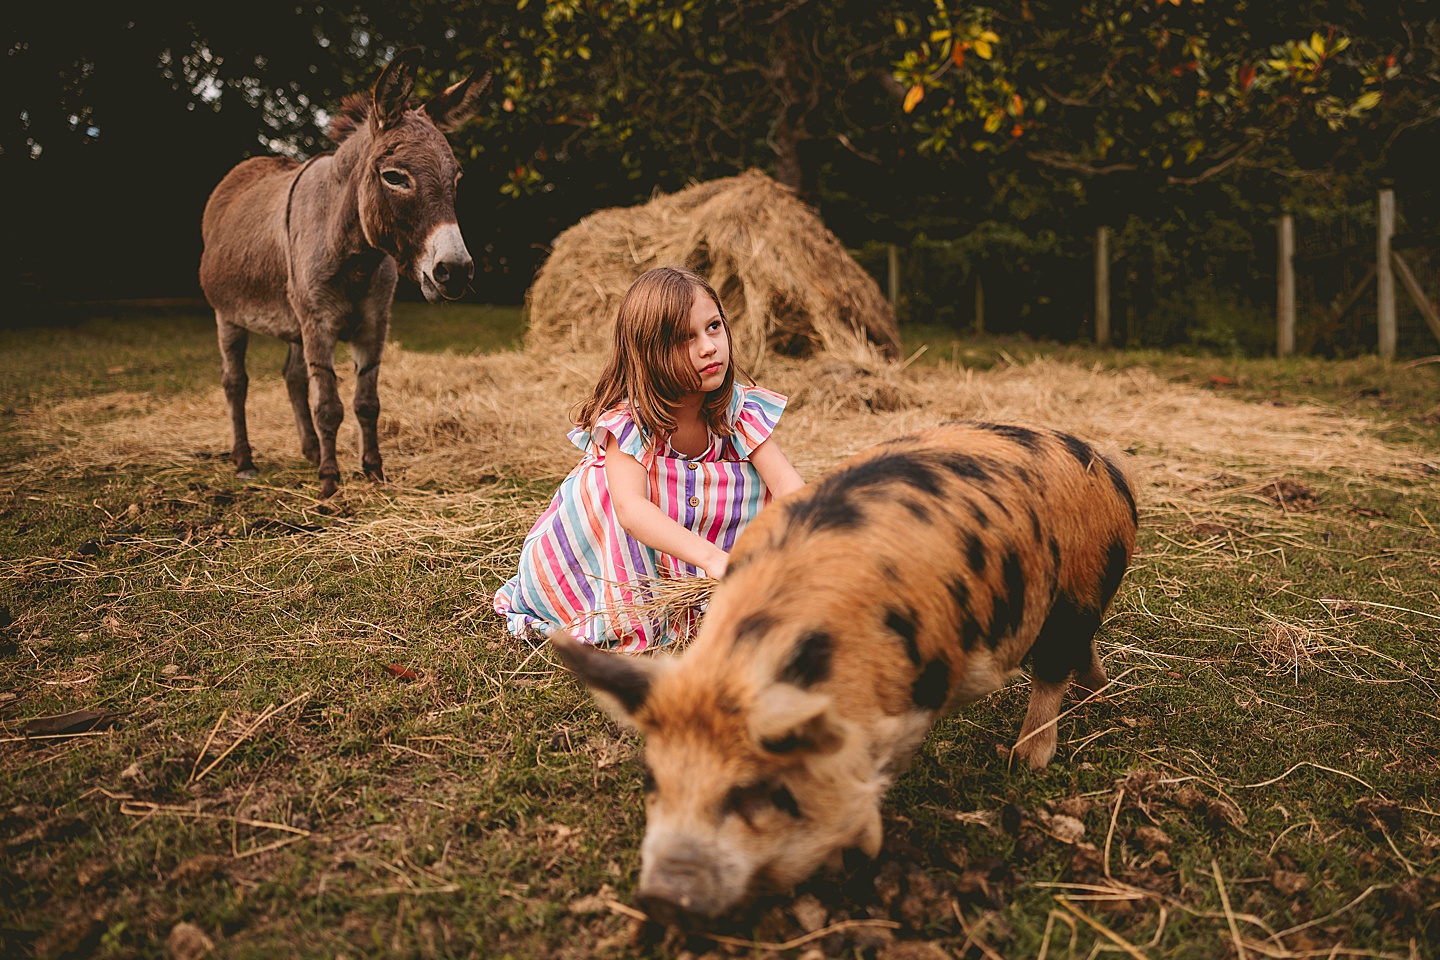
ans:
x=395 y=178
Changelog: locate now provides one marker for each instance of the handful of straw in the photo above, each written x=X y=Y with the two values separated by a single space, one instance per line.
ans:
x=670 y=600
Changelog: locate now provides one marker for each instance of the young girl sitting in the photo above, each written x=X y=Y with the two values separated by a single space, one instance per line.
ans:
x=677 y=460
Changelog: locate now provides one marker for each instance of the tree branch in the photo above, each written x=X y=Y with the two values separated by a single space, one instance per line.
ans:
x=1071 y=101
x=1062 y=162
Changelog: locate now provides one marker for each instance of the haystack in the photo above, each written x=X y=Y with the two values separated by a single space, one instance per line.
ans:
x=786 y=282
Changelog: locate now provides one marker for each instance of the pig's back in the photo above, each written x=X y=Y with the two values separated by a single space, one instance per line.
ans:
x=918 y=574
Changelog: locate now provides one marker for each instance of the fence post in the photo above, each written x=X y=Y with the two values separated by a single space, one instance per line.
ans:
x=1285 y=295
x=979 y=304
x=1102 y=286
x=1385 y=276
x=893 y=267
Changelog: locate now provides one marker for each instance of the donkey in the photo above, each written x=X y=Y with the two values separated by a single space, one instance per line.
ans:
x=309 y=253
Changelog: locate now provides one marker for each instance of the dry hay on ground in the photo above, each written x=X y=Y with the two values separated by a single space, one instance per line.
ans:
x=1206 y=465
x=787 y=284
x=454 y=421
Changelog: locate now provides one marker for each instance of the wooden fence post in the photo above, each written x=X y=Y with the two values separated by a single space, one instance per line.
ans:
x=1385 y=276
x=1285 y=295
x=893 y=266
x=1102 y=286
x=979 y=304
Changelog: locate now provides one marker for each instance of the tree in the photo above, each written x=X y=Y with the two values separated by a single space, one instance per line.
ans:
x=700 y=87
x=1186 y=126
x=1174 y=91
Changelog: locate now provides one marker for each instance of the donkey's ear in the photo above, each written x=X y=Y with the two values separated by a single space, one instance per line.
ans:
x=620 y=682
x=392 y=90
x=450 y=109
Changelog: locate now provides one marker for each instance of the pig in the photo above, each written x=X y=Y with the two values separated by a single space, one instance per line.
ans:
x=911 y=580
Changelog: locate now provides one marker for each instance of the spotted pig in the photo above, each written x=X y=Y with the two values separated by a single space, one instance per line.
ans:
x=914 y=578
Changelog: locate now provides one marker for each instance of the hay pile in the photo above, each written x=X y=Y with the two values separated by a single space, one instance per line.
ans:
x=787 y=284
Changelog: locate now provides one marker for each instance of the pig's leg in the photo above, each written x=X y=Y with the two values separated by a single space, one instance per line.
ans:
x=1037 y=736
x=1092 y=679
x=1064 y=648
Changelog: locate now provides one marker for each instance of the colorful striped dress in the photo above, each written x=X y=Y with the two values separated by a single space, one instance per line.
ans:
x=580 y=570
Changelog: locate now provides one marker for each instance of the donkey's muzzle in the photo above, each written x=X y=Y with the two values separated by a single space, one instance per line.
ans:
x=453 y=277
x=445 y=265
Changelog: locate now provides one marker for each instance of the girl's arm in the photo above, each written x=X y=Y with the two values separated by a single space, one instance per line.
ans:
x=770 y=462
x=646 y=522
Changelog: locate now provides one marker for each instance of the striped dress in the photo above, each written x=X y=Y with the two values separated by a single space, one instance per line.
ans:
x=580 y=570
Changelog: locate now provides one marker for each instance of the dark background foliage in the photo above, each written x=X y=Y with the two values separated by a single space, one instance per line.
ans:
x=116 y=121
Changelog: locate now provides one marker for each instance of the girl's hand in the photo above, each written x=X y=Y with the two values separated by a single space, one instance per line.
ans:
x=715 y=569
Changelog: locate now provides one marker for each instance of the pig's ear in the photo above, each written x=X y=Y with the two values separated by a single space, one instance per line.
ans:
x=787 y=720
x=620 y=682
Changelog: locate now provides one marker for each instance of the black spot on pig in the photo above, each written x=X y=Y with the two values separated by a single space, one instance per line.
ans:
x=903 y=625
x=809 y=662
x=932 y=688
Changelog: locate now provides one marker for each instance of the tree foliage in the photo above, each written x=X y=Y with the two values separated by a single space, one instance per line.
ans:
x=1176 y=91
x=1001 y=134
x=700 y=87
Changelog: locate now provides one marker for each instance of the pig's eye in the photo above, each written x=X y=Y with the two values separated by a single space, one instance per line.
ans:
x=648 y=783
x=754 y=799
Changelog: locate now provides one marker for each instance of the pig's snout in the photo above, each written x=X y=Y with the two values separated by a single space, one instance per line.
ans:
x=680 y=888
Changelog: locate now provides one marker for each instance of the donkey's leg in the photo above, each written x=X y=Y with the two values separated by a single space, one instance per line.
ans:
x=297 y=381
x=366 y=348
x=325 y=406
x=233 y=340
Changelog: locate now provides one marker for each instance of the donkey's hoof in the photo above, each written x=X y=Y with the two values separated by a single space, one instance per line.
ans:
x=311 y=453
x=328 y=486
x=247 y=473
x=376 y=474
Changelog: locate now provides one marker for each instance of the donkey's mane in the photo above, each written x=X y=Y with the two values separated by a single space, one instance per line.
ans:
x=354 y=111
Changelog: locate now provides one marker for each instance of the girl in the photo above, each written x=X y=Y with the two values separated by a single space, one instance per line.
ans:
x=677 y=460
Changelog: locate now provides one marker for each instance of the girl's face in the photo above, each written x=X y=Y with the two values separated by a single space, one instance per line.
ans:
x=707 y=345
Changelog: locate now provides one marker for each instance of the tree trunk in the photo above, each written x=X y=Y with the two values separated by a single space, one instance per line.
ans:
x=796 y=96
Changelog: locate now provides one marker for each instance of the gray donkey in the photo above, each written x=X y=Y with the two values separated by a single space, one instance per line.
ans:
x=309 y=253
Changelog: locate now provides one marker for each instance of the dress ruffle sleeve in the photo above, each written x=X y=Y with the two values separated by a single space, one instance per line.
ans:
x=754 y=411
x=616 y=423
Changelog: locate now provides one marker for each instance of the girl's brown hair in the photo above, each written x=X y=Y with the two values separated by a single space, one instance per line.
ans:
x=648 y=363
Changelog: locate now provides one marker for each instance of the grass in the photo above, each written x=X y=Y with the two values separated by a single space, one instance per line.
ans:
x=317 y=741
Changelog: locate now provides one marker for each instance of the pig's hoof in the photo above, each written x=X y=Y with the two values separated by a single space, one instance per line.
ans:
x=1035 y=754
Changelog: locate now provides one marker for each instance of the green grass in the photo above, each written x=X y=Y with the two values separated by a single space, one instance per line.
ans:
x=471 y=809
x=172 y=351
